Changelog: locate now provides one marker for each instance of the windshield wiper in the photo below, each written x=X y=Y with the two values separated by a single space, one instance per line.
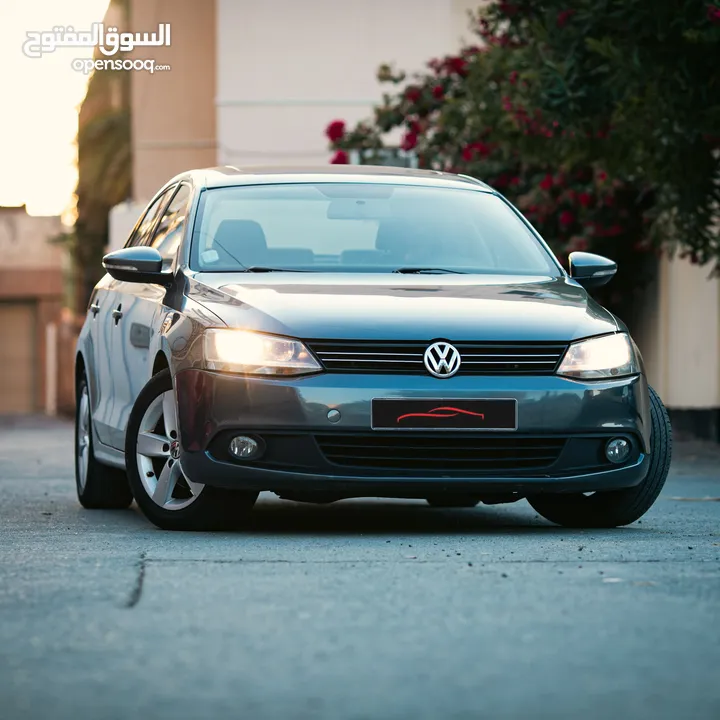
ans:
x=262 y=268
x=429 y=270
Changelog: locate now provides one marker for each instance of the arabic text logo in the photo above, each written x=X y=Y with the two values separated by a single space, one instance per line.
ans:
x=108 y=41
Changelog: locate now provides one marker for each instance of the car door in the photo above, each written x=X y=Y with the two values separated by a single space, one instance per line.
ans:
x=100 y=337
x=141 y=304
x=111 y=380
x=106 y=313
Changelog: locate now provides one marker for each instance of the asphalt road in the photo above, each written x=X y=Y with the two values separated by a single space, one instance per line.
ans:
x=362 y=609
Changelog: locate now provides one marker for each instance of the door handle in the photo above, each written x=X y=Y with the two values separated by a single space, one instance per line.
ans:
x=117 y=314
x=94 y=309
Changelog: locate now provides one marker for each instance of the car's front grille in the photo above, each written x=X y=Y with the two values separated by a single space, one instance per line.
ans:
x=438 y=452
x=477 y=358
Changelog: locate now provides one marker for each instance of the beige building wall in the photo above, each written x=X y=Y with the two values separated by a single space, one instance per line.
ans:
x=286 y=68
x=31 y=294
x=173 y=111
x=685 y=343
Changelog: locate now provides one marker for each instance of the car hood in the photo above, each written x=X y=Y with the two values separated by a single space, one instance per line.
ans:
x=347 y=306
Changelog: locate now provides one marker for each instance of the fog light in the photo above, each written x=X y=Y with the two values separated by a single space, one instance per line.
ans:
x=617 y=450
x=244 y=447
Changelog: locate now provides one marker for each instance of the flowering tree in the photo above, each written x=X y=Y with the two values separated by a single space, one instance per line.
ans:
x=636 y=87
x=482 y=112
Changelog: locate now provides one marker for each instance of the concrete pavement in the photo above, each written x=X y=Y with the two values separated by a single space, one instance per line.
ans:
x=362 y=609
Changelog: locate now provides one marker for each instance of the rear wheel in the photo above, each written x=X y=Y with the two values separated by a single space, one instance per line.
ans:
x=453 y=501
x=165 y=495
x=98 y=486
x=616 y=507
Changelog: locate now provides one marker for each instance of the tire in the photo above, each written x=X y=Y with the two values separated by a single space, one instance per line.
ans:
x=453 y=501
x=98 y=486
x=165 y=496
x=617 y=507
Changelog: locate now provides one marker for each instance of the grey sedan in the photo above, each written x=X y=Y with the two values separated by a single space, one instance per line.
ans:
x=338 y=332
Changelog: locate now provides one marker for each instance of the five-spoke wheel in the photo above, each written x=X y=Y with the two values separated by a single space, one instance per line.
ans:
x=162 y=491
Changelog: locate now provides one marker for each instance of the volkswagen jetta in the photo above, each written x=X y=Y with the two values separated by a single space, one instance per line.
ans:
x=357 y=331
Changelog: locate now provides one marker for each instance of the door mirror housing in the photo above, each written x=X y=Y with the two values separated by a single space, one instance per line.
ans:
x=591 y=270
x=137 y=264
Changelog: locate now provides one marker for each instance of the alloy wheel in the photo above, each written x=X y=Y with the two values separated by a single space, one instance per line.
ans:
x=158 y=452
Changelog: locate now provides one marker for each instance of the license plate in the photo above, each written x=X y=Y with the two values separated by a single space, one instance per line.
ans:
x=424 y=414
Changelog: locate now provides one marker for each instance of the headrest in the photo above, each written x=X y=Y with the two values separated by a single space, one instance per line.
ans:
x=395 y=235
x=240 y=241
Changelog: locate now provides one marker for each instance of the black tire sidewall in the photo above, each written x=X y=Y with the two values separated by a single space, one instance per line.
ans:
x=105 y=487
x=617 y=507
x=215 y=508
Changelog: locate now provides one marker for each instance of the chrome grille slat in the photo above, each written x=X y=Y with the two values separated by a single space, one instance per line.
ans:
x=478 y=358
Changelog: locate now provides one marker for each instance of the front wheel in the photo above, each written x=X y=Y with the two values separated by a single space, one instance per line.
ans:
x=152 y=449
x=617 y=507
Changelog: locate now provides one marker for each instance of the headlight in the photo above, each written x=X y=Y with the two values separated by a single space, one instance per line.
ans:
x=609 y=356
x=256 y=353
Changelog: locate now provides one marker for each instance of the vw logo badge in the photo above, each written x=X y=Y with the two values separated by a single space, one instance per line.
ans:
x=442 y=360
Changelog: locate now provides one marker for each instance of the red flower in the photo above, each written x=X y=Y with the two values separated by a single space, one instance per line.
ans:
x=477 y=148
x=584 y=199
x=547 y=182
x=409 y=141
x=602 y=176
x=566 y=218
x=340 y=158
x=713 y=14
x=563 y=17
x=412 y=94
x=472 y=50
x=513 y=77
x=438 y=92
x=456 y=65
x=435 y=64
x=515 y=181
x=335 y=130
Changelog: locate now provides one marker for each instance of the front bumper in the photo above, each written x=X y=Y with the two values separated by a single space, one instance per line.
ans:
x=290 y=416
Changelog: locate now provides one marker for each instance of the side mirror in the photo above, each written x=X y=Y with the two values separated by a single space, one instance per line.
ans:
x=137 y=264
x=591 y=270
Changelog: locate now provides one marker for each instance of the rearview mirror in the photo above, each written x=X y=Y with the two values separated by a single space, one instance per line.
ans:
x=358 y=209
x=137 y=264
x=591 y=270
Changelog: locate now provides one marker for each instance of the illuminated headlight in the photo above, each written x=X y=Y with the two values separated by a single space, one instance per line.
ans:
x=256 y=353
x=598 y=358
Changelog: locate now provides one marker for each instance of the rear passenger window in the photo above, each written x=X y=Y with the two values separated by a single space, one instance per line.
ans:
x=142 y=231
x=170 y=229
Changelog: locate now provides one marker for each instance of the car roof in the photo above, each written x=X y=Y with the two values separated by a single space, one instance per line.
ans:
x=229 y=175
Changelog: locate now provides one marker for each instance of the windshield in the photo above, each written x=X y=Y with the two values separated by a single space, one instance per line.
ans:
x=363 y=227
